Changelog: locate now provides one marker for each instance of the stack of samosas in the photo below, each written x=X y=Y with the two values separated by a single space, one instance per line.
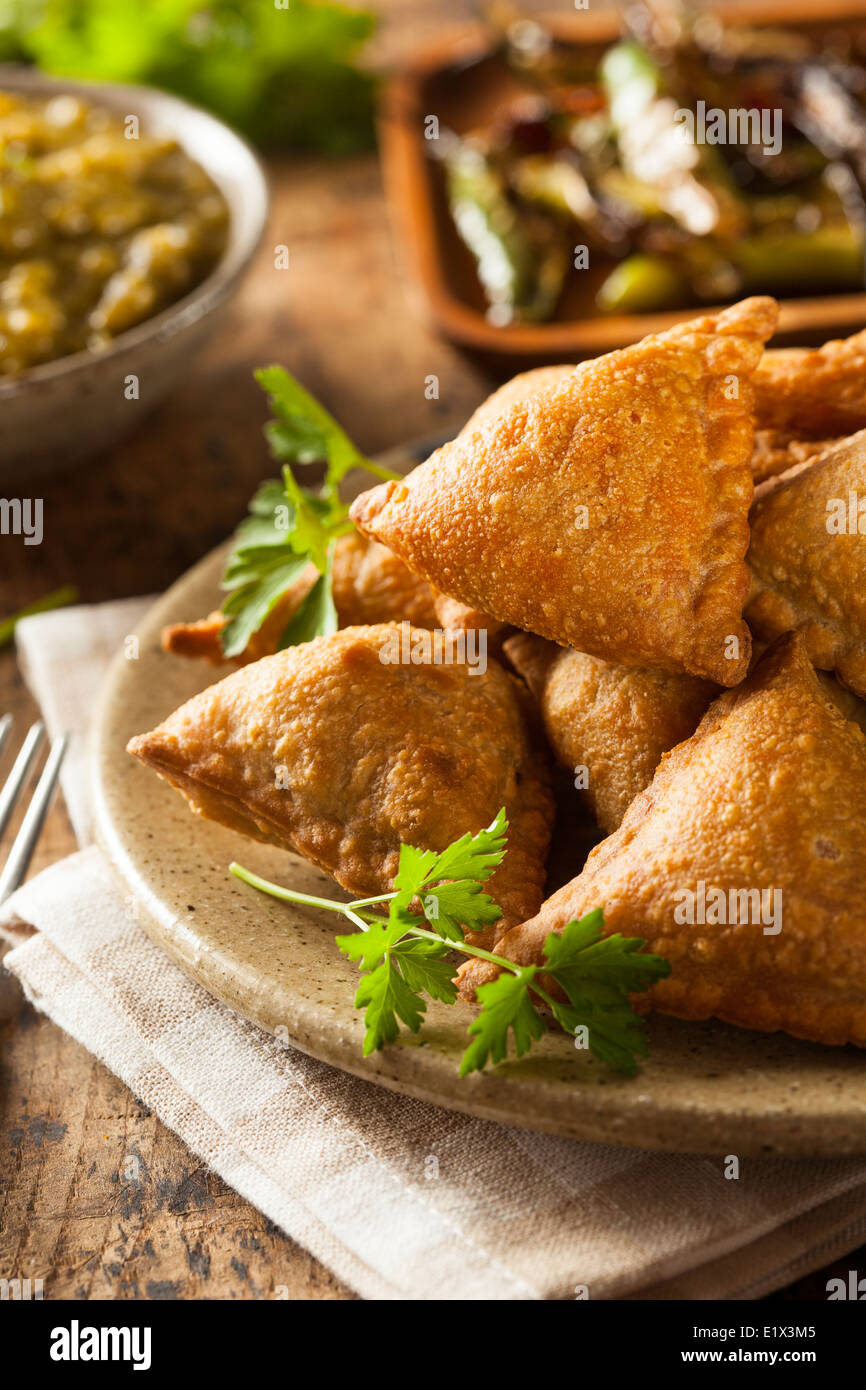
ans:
x=666 y=549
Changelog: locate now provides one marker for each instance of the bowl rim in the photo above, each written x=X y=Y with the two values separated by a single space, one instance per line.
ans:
x=216 y=286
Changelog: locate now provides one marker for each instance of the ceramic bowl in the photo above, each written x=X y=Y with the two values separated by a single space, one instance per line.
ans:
x=55 y=414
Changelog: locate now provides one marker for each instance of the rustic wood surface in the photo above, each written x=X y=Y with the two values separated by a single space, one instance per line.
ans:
x=342 y=319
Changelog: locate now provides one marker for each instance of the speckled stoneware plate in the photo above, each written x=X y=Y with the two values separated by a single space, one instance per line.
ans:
x=707 y=1087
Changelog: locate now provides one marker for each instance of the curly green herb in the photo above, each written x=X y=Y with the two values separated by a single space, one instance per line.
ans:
x=402 y=960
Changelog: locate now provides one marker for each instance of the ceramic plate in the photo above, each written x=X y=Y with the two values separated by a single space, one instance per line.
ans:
x=706 y=1088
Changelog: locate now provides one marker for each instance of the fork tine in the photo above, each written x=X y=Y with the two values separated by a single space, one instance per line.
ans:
x=5 y=726
x=25 y=841
x=15 y=781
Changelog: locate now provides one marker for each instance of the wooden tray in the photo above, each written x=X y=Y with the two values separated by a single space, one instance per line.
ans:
x=462 y=81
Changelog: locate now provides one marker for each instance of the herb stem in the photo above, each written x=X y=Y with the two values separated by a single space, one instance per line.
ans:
x=465 y=948
x=289 y=895
x=366 y=902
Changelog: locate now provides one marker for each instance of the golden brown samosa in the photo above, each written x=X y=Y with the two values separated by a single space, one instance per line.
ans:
x=339 y=751
x=606 y=511
x=608 y=724
x=808 y=559
x=742 y=863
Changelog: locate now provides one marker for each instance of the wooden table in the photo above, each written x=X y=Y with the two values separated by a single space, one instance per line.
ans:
x=130 y=523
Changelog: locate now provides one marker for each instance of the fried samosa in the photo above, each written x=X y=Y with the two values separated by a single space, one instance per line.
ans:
x=806 y=400
x=606 y=511
x=808 y=559
x=369 y=585
x=742 y=863
x=339 y=752
x=608 y=724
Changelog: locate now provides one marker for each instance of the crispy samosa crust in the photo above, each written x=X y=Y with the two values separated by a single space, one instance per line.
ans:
x=807 y=400
x=814 y=392
x=767 y=798
x=606 y=511
x=334 y=752
x=611 y=723
x=808 y=559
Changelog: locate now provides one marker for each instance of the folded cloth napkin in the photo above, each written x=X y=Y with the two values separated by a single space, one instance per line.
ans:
x=400 y=1199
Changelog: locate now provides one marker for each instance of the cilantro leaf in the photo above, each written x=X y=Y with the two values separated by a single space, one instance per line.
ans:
x=505 y=1005
x=386 y=997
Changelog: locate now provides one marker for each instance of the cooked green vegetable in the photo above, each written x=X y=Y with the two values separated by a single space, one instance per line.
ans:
x=642 y=283
x=690 y=180
x=522 y=259
x=688 y=166
x=284 y=74
x=402 y=960
x=98 y=231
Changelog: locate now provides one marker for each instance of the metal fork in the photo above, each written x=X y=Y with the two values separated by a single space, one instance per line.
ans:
x=31 y=825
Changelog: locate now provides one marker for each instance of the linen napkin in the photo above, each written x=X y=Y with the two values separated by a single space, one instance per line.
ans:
x=402 y=1200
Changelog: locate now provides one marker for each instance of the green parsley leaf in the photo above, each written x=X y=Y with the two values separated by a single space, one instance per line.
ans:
x=317 y=614
x=505 y=1006
x=286 y=76
x=598 y=973
x=287 y=520
x=449 y=884
x=427 y=966
x=386 y=997
x=304 y=432
x=368 y=948
x=473 y=856
x=404 y=960
x=250 y=602
x=457 y=907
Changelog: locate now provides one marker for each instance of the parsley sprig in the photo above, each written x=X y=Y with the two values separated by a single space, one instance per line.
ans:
x=408 y=954
x=291 y=525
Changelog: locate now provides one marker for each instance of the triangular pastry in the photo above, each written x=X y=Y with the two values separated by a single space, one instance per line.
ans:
x=743 y=863
x=338 y=751
x=607 y=510
x=808 y=559
x=608 y=724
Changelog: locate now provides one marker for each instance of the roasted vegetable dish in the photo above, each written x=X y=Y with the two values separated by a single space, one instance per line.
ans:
x=665 y=172
x=101 y=226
